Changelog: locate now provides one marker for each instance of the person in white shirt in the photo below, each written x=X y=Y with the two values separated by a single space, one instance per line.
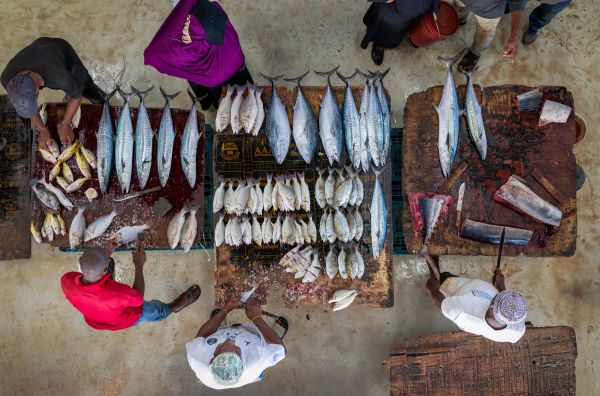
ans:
x=478 y=307
x=233 y=356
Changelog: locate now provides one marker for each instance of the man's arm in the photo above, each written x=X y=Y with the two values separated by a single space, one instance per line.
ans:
x=213 y=323
x=65 y=128
x=44 y=136
x=433 y=285
x=254 y=313
x=498 y=280
x=510 y=51
x=139 y=259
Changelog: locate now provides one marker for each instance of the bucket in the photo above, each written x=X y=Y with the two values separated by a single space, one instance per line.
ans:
x=425 y=32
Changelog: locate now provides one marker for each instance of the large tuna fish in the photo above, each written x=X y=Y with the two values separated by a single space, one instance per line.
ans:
x=305 y=127
x=105 y=145
x=124 y=145
x=143 y=140
x=378 y=217
x=278 y=125
x=166 y=137
x=352 y=131
x=491 y=233
x=189 y=143
x=331 y=127
x=474 y=117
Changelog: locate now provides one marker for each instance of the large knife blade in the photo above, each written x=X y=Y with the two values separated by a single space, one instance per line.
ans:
x=459 y=203
x=137 y=194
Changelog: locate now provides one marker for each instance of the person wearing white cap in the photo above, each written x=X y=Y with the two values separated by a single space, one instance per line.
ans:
x=477 y=306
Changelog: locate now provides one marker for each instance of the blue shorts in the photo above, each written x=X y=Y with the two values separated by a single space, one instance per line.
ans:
x=153 y=311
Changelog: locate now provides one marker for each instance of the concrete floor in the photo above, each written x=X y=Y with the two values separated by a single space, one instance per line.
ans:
x=45 y=346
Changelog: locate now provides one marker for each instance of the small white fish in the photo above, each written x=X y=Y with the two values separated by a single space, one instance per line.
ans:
x=240 y=198
x=331 y=266
x=342 y=264
x=128 y=234
x=360 y=191
x=287 y=230
x=219 y=197
x=330 y=187
x=312 y=230
x=341 y=295
x=174 y=228
x=249 y=110
x=224 y=110
x=236 y=231
x=297 y=191
x=252 y=202
x=323 y=226
x=246 y=231
x=256 y=231
x=286 y=193
x=228 y=196
x=98 y=226
x=277 y=229
x=275 y=196
x=331 y=235
x=345 y=302
x=189 y=230
x=340 y=224
x=361 y=262
x=220 y=231
x=236 y=124
x=305 y=196
x=304 y=230
x=359 y=225
x=320 y=189
x=260 y=116
x=267 y=231
x=351 y=224
x=298 y=237
x=227 y=236
x=267 y=200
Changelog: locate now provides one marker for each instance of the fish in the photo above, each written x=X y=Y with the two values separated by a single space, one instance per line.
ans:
x=189 y=230
x=374 y=122
x=342 y=193
x=517 y=196
x=144 y=139
x=387 y=115
x=227 y=196
x=330 y=187
x=47 y=229
x=275 y=198
x=220 y=231
x=331 y=267
x=297 y=191
x=166 y=138
x=259 y=199
x=341 y=261
x=128 y=234
x=305 y=193
x=340 y=295
x=287 y=230
x=68 y=152
x=249 y=109
x=430 y=211
x=240 y=197
x=304 y=125
x=360 y=190
x=474 y=116
x=267 y=199
x=219 y=197
x=351 y=264
x=175 y=226
x=320 y=189
x=341 y=226
x=286 y=193
x=323 y=225
x=67 y=173
x=314 y=270
x=252 y=202
x=345 y=302
x=77 y=184
x=55 y=171
x=236 y=231
x=268 y=230
x=62 y=198
x=491 y=233
x=61 y=222
x=55 y=224
x=44 y=196
x=351 y=123
x=311 y=230
x=227 y=234
x=89 y=156
x=77 y=228
x=256 y=231
x=35 y=233
x=378 y=217
x=98 y=226
x=330 y=122
x=330 y=227
x=260 y=116
x=43 y=113
x=189 y=143
x=83 y=165
x=449 y=118
x=360 y=263
x=351 y=224
x=236 y=125
x=47 y=155
x=278 y=128
x=53 y=148
x=224 y=111
x=246 y=231
x=105 y=145
x=359 y=225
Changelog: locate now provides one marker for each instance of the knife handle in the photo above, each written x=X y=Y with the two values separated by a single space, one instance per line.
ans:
x=458 y=220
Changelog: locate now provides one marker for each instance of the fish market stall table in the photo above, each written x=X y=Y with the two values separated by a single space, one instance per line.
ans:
x=516 y=145
x=241 y=156
x=133 y=212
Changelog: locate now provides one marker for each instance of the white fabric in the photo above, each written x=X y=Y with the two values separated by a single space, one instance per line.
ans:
x=257 y=355
x=466 y=303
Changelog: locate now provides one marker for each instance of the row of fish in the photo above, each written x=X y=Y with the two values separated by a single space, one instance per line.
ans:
x=183 y=228
x=339 y=189
x=303 y=262
x=348 y=263
x=245 y=231
x=342 y=299
x=449 y=118
x=80 y=232
x=120 y=146
x=341 y=225
x=52 y=226
x=241 y=112
x=289 y=193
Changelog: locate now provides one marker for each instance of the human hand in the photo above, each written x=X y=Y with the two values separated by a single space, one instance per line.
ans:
x=110 y=246
x=44 y=137
x=432 y=284
x=139 y=255
x=498 y=277
x=510 y=51
x=65 y=132
x=233 y=301
x=252 y=308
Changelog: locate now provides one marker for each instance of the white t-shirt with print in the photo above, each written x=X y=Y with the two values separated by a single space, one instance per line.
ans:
x=257 y=354
x=466 y=303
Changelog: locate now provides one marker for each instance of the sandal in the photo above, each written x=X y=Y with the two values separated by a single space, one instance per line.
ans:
x=468 y=62
x=280 y=321
x=186 y=298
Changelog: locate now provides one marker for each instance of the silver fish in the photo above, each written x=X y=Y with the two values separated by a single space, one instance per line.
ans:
x=331 y=266
x=189 y=230
x=365 y=157
x=278 y=125
x=124 y=144
x=189 y=143
x=224 y=110
x=166 y=137
x=351 y=123
x=62 y=198
x=320 y=189
x=98 y=226
x=249 y=109
x=430 y=209
x=378 y=217
x=449 y=118
x=305 y=126
x=144 y=137
x=260 y=116
x=387 y=115
x=330 y=122
x=345 y=302
x=175 y=226
x=474 y=117
x=128 y=234
x=375 y=124
x=220 y=231
x=491 y=233
x=105 y=145
x=46 y=197
x=236 y=125
x=329 y=187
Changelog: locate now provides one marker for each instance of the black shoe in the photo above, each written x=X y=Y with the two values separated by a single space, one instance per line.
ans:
x=581 y=176
x=468 y=62
x=93 y=93
x=529 y=37
x=377 y=55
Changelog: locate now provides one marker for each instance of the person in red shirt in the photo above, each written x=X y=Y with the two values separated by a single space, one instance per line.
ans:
x=110 y=305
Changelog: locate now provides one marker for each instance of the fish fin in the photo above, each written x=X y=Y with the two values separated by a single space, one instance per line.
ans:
x=450 y=62
x=141 y=94
x=192 y=96
x=297 y=79
x=327 y=74
x=125 y=95
x=383 y=74
x=167 y=97
x=110 y=95
x=436 y=107
x=347 y=79
x=362 y=74
x=271 y=79
x=185 y=161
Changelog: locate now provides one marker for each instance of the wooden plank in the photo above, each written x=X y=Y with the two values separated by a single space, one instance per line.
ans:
x=135 y=211
x=245 y=156
x=537 y=175
x=15 y=198
x=459 y=363
x=516 y=145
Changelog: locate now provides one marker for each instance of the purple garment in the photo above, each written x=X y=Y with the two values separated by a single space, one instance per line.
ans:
x=199 y=61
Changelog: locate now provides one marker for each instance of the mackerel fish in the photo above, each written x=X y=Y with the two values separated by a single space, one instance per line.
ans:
x=387 y=118
x=305 y=126
x=105 y=145
x=124 y=145
x=166 y=137
x=277 y=124
x=374 y=124
x=365 y=156
x=474 y=117
x=189 y=143
x=352 y=131
x=378 y=217
x=143 y=140
x=430 y=209
x=331 y=127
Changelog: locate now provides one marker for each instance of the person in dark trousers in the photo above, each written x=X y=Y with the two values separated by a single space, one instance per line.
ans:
x=48 y=63
x=197 y=42
x=541 y=16
x=109 y=305
x=388 y=21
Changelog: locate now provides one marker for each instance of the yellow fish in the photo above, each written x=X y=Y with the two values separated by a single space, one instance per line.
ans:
x=76 y=185
x=69 y=152
x=84 y=167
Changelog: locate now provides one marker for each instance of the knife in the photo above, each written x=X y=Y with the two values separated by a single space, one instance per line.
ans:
x=246 y=295
x=137 y=194
x=501 y=246
x=461 y=195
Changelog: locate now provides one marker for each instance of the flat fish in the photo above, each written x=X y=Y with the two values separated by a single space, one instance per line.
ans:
x=249 y=110
x=491 y=233
x=345 y=302
x=236 y=125
x=144 y=138
x=260 y=115
x=220 y=231
x=105 y=145
x=98 y=226
x=189 y=230
x=330 y=122
x=44 y=196
x=474 y=117
x=175 y=226
x=320 y=189
x=189 y=143
x=351 y=123
x=224 y=111
x=304 y=124
x=430 y=211
x=268 y=190
x=124 y=144
x=331 y=267
x=166 y=138
x=278 y=125
x=77 y=228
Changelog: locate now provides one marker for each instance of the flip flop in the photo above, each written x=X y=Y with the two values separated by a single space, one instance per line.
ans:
x=189 y=296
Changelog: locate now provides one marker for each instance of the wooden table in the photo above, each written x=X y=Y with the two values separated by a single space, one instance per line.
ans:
x=245 y=156
x=459 y=363
x=135 y=211
x=516 y=145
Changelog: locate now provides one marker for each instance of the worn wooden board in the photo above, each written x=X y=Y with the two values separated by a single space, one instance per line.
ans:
x=459 y=363
x=135 y=211
x=242 y=155
x=15 y=201
x=515 y=145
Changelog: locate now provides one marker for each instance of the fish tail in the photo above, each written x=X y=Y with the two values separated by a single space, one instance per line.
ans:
x=449 y=62
x=384 y=73
x=168 y=97
x=271 y=79
x=379 y=170
x=297 y=79
x=194 y=98
x=141 y=94
x=347 y=79
x=125 y=95
x=110 y=95
x=327 y=74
